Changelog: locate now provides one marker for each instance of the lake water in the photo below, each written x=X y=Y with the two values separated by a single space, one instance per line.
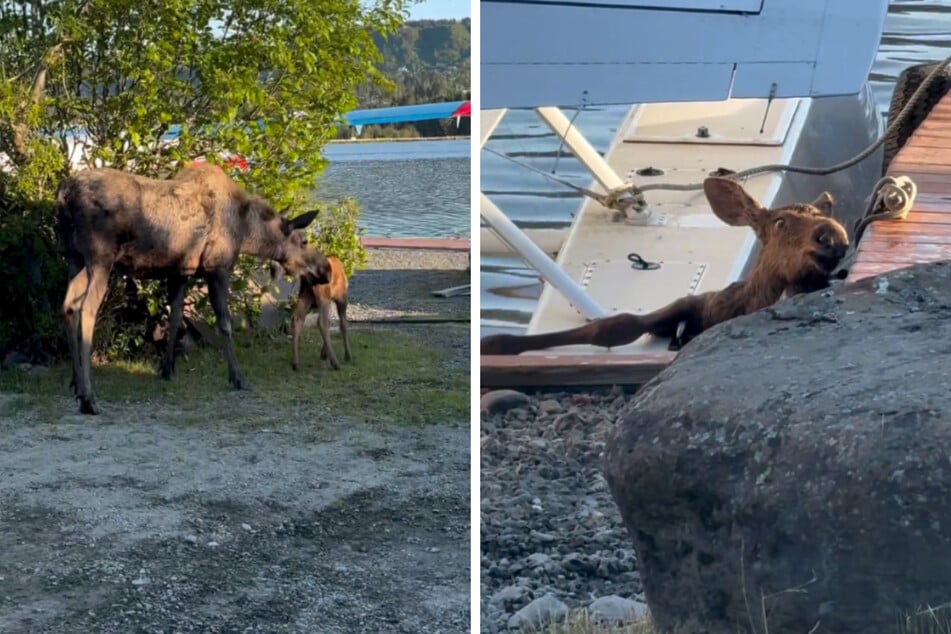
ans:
x=405 y=188
x=915 y=32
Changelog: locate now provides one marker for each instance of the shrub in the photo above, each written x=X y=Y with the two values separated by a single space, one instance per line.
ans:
x=337 y=233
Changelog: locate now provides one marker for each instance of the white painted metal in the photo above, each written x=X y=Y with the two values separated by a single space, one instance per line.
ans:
x=758 y=123
x=564 y=53
x=488 y=122
x=603 y=173
x=538 y=260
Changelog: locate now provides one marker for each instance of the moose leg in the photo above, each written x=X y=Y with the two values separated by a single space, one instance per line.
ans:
x=607 y=332
x=323 y=323
x=342 y=316
x=176 y=298
x=304 y=303
x=98 y=284
x=218 y=294
x=75 y=292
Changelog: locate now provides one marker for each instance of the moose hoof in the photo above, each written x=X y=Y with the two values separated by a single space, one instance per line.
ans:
x=294 y=367
x=240 y=383
x=347 y=357
x=88 y=406
x=166 y=371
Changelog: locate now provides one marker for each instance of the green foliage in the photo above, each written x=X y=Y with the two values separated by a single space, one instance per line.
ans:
x=337 y=234
x=267 y=80
x=33 y=277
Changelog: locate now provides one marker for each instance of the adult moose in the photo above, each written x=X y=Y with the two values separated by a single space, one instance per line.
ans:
x=802 y=245
x=195 y=224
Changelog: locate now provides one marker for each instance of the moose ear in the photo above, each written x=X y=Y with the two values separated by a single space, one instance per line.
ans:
x=824 y=203
x=733 y=205
x=302 y=220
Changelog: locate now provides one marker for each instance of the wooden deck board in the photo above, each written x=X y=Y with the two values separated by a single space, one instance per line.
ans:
x=925 y=235
x=572 y=369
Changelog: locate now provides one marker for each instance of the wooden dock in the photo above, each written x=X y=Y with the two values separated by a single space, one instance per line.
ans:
x=925 y=235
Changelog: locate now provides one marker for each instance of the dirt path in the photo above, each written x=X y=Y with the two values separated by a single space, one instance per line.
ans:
x=125 y=523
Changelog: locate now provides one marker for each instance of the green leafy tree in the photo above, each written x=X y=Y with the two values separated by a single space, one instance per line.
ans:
x=150 y=86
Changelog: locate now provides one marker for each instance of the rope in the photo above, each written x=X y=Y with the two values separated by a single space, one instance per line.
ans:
x=630 y=195
x=893 y=197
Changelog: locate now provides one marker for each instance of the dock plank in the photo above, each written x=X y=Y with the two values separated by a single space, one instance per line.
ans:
x=925 y=235
x=572 y=369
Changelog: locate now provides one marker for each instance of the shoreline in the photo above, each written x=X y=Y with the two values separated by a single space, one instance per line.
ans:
x=401 y=139
x=426 y=243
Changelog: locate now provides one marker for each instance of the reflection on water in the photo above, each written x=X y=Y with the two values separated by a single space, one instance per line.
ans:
x=915 y=32
x=405 y=188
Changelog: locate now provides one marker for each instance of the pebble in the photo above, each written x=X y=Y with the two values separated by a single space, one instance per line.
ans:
x=191 y=539
x=540 y=612
x=615 y=610
x=549 y=524
x=508 y=594
x=501 y=401
x=246 y=527
x=213 y=544
x=141 y=581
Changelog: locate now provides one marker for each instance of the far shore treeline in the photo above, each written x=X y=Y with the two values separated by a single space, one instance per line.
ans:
x=426 y=61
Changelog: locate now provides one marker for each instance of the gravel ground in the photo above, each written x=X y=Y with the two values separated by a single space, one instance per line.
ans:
x=399 y=283
x=111 y=526
x=549 y=525
x=131 y=522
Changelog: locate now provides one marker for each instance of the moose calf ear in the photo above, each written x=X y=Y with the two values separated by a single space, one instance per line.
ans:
x=303 y=220
x=824 y=203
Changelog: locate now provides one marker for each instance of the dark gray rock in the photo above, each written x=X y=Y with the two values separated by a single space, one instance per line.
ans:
x=797 y=463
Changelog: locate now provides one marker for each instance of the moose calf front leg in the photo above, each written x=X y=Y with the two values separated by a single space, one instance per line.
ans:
x=304 y=302
x=218 y=294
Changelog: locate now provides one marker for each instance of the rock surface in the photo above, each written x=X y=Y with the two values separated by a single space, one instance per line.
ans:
x=793 y=465
x=543 y=611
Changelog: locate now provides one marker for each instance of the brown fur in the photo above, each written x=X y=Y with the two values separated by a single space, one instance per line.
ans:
x=315 y=293
x=194 y=224
x=801 y=247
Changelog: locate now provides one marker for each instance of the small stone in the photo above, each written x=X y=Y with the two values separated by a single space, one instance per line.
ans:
x=141 y=581
x=550 y=406
x=615 y=610
x=212 y=544
x=508 y=594
x=540 y=612
x=501 y=401
x=538 y=559
x=246 y=527
x=191 y=539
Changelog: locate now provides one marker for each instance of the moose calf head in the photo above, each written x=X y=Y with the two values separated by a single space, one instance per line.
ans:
x=802 y=244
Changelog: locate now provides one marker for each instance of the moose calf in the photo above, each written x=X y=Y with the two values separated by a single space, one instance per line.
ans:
x=314 y=292
x=802 y=246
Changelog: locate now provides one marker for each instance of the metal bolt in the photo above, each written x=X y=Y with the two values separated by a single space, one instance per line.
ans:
x=703 y=132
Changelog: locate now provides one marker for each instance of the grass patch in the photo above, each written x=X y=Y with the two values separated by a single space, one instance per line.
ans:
x=394 y=378
x=581 y=623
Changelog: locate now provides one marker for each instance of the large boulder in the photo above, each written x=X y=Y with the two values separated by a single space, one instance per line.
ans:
x=791 y=470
